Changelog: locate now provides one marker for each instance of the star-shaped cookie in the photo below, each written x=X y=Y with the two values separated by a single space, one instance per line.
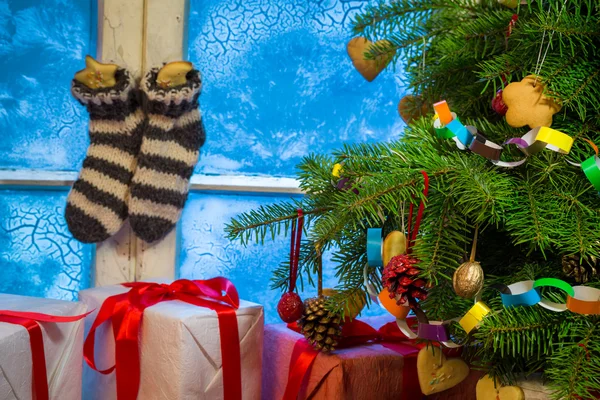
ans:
x=97 y=75
x=527 y=104
x=173 y=74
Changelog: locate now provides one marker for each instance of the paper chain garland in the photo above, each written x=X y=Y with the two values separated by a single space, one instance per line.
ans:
x=447 y=125
x=580 y=300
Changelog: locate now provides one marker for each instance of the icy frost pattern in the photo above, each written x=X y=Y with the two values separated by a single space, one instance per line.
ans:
x=207 y=253
x=38 y=255
x=278 y=84
x=42 y=44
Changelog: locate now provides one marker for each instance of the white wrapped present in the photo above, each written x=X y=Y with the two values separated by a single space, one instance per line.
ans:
x=63 y=346
x=180 y=351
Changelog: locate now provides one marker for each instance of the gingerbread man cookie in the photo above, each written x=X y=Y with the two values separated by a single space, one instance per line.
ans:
x=527 y=104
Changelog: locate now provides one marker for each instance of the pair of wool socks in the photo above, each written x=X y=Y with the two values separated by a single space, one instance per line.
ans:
x=140 y=158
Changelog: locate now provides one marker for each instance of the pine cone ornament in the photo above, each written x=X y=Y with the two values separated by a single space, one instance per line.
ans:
x=400 y=278
x=319 y=326
x=581 y=272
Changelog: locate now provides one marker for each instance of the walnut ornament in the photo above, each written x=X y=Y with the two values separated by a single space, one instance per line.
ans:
x=468 y=278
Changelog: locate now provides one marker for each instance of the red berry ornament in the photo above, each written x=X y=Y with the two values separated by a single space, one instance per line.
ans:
x=290 y=307
x=498 y=104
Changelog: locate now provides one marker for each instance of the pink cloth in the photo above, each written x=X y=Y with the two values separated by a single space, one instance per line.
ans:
x=365 y=372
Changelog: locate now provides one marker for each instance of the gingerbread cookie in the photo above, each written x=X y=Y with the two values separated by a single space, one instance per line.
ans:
x=436 y=373
x=369 y=69
x=411 y=107
x=487 y=389
x=527 y=104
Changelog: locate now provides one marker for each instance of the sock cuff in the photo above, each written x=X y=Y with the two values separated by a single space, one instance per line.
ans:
x=107 y=103
x=172 y=102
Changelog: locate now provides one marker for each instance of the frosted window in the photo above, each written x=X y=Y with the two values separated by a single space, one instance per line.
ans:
x=207 y=253
x=42 y=44
x=38 y=255
x=278 y=84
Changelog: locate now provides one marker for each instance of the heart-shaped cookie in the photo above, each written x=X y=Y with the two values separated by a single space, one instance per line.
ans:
x=488 y=390
x=436 y=373
x=369 y=69
x=527 y=104
x=411 y=108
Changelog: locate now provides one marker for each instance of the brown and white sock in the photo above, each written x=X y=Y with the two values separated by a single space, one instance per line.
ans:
x=97 y=204
x=170 y=148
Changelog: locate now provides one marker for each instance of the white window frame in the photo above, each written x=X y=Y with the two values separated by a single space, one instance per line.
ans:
x=140 y=34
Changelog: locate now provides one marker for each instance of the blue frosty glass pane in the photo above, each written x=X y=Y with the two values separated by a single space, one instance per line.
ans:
x=38 y=255
x=42 y=44
x=206 y=252
x=278 y=84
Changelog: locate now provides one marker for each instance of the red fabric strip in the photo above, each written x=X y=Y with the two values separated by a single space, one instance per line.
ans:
x=412 y=234
x=303 y=357
x=29 y=320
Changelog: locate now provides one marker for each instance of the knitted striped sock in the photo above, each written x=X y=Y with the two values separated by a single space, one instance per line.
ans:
x=97 y=204
x=170 y=147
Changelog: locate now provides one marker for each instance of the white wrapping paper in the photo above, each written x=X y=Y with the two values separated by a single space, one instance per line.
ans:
x=180 y=351
x=63 y=347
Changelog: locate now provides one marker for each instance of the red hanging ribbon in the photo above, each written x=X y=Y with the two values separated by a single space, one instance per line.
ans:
x=412 y=235
x=126 y=312
x=511 y=24
x=296 y=239
x=30 y=321
x=356 y=333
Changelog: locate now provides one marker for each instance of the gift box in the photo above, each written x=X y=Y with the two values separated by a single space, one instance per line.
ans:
x=358 y=372
x=62 y=350
x=180 y=353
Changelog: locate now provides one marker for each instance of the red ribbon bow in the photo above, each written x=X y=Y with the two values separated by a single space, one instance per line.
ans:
x=126 y=312
x=31 y=320
x=356 y=333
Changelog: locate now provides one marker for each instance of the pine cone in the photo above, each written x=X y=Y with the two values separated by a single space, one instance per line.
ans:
x=320 y=327
x=582 y=273
x=400 y=279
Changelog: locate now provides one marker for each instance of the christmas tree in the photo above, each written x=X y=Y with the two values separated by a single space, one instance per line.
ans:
x=540 y=219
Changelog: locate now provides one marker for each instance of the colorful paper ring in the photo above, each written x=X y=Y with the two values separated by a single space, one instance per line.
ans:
x=391 y=306
x=461 y=132
x=585 y=301
x=522 y=294
x=555 y=140
x=443 y=111
x=371 y=289
x=404 y=328
x=556 y=283
x=591 y=169
x=433 y=331
x=474 y=316
x=374 y=247
x=442 y=131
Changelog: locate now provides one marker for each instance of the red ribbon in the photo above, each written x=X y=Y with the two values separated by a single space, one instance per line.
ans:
x=126 y=312
x=30 y=321
x=356 y=333
x=295 y=249
x=412 y=235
